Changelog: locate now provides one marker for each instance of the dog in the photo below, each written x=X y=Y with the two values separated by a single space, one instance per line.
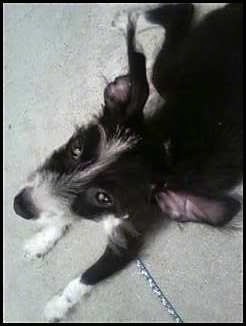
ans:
x=183 y=160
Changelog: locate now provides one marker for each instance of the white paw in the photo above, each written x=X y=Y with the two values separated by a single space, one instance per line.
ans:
x=33 y=249
x=43 y=241
x=58 y=307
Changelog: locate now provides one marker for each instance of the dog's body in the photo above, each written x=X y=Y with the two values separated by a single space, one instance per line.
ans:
x=199 y=72
x=183 y=160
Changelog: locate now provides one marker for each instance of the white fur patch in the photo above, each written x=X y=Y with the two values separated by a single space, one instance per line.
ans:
x=58 y=307
x=110 y=150
x=116 y=229
x=43 y=241
x=54 y=216
x=110 y=222
x=43 y=194
x=116 y=145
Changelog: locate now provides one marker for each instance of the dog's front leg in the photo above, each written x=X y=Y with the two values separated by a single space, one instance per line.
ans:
x=109 y=263
x=43 y=241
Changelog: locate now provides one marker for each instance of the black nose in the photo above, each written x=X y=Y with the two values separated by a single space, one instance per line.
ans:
x=23 y=205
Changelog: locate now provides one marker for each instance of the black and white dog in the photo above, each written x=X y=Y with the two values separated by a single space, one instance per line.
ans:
x=184 y=159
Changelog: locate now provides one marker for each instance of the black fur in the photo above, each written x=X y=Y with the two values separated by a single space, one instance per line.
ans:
x=202 y=84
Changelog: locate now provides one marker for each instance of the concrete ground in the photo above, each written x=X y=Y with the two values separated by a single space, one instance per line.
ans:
x=55 y=59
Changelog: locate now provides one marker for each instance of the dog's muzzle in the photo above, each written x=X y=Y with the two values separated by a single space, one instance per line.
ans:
x=23 y=205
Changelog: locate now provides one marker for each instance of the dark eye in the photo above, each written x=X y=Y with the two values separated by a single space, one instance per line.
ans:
x=76 y=149
x=103 y=198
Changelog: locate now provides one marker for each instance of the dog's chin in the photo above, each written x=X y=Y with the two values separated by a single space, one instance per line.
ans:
x=47 y=218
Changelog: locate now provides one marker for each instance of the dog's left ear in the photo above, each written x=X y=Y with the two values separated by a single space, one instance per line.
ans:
x=126 y=96
x=184 y=207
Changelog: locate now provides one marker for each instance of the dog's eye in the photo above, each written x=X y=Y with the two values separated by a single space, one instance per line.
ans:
x=76 y=149
x=103 y=198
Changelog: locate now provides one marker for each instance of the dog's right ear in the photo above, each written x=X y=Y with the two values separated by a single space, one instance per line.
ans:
x=126 y=96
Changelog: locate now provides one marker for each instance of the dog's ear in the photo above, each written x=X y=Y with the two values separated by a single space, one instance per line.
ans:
x=186 y=207
x=126 y=96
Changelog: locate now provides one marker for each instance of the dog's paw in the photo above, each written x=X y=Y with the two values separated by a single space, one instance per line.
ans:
x=58 y=307
x=43 y=241
x=33 y=249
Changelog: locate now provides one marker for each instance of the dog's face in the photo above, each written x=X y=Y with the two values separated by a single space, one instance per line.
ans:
x=98 y=172
x=89 y=175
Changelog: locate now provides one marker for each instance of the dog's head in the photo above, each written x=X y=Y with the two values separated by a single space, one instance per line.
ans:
x=100 y=170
